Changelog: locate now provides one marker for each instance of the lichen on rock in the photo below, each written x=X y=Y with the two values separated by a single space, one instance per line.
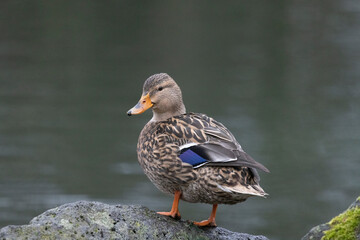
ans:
x=94 y=220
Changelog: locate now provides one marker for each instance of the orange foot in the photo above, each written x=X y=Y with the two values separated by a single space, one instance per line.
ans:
x=206 y=223
x=174 y=213
x=211 y=221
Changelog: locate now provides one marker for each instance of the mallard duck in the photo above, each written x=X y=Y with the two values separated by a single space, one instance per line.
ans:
x=190 y=155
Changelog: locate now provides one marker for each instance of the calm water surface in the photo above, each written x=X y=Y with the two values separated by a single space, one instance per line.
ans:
x=284 y=78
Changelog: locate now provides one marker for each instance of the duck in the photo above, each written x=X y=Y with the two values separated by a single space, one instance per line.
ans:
x=191 y=156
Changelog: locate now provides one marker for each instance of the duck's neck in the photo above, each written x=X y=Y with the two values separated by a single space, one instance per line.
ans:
x=162 y=116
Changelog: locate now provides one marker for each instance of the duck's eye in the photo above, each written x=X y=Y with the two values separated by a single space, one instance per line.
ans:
x=160 y=88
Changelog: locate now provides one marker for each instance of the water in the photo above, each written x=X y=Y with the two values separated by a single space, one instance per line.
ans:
x=284 y=78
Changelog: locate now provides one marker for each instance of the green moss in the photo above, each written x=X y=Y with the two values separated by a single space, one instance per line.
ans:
x=344 y=226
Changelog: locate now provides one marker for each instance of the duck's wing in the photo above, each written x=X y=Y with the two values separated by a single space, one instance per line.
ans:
x=219 y=149
x=213 y=154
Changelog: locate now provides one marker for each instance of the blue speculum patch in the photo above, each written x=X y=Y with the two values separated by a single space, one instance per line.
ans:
x=192 y=158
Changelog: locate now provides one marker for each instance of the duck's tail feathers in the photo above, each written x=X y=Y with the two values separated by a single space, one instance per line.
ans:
x=253 y=190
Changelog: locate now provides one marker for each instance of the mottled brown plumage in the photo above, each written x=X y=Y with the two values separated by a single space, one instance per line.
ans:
x=224 y=173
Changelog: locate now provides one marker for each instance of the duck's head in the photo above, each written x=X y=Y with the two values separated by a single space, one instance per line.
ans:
x=163 y=95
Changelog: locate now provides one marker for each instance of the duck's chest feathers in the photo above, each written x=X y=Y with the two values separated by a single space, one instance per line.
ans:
x=158 y=155
x=154 y=153
x=153 y=146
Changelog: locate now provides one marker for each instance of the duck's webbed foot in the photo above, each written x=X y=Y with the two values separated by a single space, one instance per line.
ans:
x=174 y=212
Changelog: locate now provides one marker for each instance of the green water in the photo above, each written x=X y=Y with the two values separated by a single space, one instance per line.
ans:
x=284 y=77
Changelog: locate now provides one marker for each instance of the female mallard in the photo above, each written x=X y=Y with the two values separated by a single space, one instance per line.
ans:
x=191 y=155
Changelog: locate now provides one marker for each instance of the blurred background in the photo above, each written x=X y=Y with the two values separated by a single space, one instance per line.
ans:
x=283 y=76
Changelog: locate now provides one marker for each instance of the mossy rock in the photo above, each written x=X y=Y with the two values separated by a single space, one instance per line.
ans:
x=94 y=220
x=345 y=226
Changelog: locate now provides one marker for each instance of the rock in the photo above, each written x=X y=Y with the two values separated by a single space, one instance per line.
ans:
x=344 y=226
x=94 y=220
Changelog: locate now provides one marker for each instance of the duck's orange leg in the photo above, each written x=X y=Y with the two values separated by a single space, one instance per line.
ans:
x=211 y=221
x=174 y=213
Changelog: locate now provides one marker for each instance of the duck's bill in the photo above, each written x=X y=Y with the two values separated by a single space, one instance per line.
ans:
x=143 y=105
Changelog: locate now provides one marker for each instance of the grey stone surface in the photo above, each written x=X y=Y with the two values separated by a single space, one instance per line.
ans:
x=316 y=232
x=94 y=220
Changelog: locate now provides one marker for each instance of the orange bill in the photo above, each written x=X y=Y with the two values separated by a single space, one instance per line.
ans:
x=143 y=105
